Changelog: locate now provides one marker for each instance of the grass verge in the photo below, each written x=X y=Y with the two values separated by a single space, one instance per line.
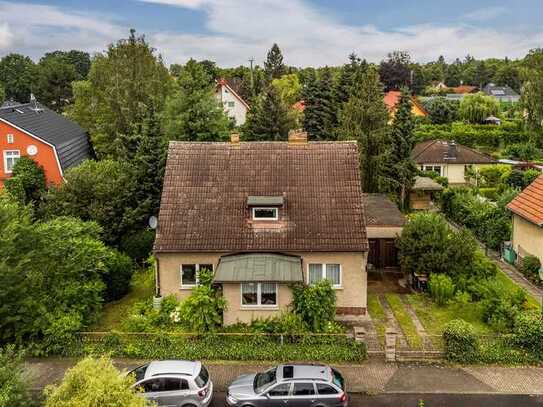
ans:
x=378 y=316
x=142 y=287
x=405 y=321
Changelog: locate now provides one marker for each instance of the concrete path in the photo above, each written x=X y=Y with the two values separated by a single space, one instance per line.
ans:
x=392 y=322
x=421 y=331
x=371 y=377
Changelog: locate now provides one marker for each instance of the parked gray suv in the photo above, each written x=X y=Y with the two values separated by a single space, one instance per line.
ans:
x=289 y=386
x=174 y=383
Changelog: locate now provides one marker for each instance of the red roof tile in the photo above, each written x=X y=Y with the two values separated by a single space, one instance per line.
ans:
x=206 y=186
x=529 y=203
x=392 y=98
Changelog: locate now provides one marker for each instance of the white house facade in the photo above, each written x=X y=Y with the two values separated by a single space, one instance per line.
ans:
x=234 y=106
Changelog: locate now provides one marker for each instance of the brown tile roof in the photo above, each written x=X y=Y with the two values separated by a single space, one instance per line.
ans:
x=206 y=185
x=529 y=203
x=442 y=152
x=464 y=89
x=381 y=211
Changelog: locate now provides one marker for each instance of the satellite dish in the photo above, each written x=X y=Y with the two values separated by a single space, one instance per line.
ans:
x=32 y=150
x=153 y=222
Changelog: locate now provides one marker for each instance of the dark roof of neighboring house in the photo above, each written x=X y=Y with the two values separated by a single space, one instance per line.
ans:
x=381 y=211
x=206 y=185
x=499 y=91
x=69 y=139
x=529 y=203
x=447 y=152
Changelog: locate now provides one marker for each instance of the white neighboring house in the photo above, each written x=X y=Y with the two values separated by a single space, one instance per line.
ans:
x=234 y=106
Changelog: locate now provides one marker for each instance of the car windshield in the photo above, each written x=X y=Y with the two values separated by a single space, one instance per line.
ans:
x=202 y=378
x=264 y=380
x=338 y=379
x=139 y=372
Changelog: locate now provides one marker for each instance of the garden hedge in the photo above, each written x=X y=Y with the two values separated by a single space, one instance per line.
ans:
x=324 y=348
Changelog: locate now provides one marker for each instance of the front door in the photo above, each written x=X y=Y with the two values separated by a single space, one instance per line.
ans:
x=390 y=254
x=373 y=255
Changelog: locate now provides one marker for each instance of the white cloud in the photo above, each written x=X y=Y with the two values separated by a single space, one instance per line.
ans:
x=236 y=30
x=486 y=14
x=6 y=36
x=42 y=28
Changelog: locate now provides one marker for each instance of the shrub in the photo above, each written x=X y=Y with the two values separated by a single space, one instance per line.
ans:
x=118 y=275
x=441 y=110
x=441 y=288
x=531 y=266
x=13 y=386
x=521 y=151
x=138 y=246
x=315 y=304
x=529 y=176
x=202 y=310
x=461 y=343
x=94 y=382
x=500 y=305
x=27 y=183
x=528 y=332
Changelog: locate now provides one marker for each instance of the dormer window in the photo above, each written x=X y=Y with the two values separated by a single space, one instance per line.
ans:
x=265 y=214
x=265 y=208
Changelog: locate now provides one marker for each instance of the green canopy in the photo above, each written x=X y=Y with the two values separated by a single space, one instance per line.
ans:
x=259 y=267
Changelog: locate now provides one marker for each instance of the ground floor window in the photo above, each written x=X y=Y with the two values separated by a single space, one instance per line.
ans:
x=329 y=271
x=189 y=274
x=259 y=294
x=432 y=168
x=10 y=158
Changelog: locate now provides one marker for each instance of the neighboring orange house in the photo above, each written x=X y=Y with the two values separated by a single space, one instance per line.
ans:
x=392 y=98
x=50 y=139
x=463 y=89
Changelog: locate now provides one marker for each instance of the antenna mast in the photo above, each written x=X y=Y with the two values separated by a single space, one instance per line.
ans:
x=251 y=60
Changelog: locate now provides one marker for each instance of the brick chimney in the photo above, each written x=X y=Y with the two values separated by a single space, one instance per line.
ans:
x=297 y=136
x=234 y=138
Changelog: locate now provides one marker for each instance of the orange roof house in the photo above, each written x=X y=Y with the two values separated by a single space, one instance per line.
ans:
x=299 y=106
x=392 y=98
x=463 y=89
x=527 y=209
x=50 y=139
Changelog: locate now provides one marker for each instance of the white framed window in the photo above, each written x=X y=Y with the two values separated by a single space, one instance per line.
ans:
x=265 y=213
x=189 y=274
x=330 y=271
x=10 y=158
x=434 y=168
x=10 y=138
x=258 y=294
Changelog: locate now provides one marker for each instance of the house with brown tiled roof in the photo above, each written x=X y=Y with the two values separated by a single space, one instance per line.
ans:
x=527 y=209
x=449 y=159
x=262 y=216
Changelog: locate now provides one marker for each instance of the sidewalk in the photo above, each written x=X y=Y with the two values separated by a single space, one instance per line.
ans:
x=370 y=377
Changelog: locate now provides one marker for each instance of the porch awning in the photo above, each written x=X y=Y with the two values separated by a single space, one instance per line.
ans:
x=259 y=267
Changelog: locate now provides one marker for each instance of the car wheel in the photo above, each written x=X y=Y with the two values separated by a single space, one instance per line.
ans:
x=188 y=405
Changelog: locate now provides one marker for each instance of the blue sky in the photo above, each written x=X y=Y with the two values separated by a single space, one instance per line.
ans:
x=310 y=32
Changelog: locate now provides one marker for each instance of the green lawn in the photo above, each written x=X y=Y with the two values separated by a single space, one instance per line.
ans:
x=404 y=319
x=378 y=316
x=511 y=285
x=142 y=287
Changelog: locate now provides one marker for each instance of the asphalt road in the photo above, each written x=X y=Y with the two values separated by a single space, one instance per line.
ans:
x=431 y=400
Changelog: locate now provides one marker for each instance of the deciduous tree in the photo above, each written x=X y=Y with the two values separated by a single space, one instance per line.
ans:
x=17 y=76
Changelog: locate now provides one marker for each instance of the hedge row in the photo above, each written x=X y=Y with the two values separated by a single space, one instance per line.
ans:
x=474 y=135
x=524 y=345
x=325 y=348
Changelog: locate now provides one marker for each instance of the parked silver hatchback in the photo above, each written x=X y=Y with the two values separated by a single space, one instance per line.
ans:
x=174 y=383
x=289 y=386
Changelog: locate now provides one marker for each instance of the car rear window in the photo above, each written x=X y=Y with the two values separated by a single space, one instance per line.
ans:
x=202 y=378
x=338 y=380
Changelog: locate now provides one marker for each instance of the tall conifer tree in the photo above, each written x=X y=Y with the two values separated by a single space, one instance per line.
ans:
x=364 y=119
x=273 y=65
x=268 y=118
